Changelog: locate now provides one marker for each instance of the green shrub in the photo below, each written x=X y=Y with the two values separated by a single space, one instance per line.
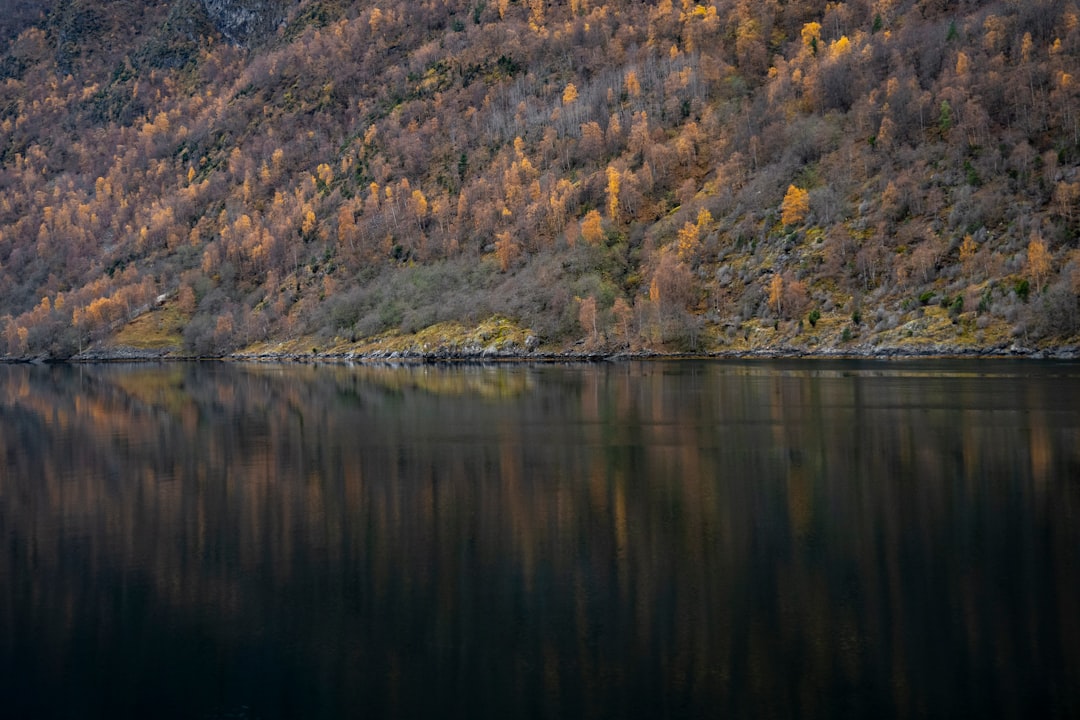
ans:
x=956 y=306
x=1022 y=288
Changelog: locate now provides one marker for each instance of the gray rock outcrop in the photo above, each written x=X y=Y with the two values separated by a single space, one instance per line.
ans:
x=246 y=21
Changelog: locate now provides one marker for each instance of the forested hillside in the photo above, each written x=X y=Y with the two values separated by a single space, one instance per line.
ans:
x=214 y=175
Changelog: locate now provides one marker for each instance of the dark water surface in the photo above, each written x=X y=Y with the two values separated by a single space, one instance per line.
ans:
x=678 y=539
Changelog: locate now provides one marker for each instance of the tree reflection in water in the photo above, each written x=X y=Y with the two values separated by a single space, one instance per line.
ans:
x=662 y=539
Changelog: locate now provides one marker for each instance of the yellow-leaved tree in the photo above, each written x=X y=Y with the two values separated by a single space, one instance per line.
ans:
x=776 y=293
x=613 y=193
x=592 y=229
x=1038 y=262
x=795 y=206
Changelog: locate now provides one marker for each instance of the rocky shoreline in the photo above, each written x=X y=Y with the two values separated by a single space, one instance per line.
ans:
x=517 y=354
x=403 y=357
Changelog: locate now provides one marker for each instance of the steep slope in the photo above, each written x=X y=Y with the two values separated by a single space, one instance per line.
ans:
x=800 y=175
x=17 y=15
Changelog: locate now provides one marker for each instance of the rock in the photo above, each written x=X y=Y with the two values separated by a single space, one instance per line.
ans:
x=245 y=21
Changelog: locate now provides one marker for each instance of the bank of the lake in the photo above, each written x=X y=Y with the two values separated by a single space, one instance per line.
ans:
x=930 y=332
x=292 y=352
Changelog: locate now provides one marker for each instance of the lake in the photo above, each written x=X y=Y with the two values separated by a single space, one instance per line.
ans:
x=813 y=539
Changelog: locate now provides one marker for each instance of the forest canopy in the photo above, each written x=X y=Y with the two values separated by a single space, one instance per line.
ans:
x=608 y=176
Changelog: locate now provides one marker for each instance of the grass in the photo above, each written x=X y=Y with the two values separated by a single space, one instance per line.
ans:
x=497 y=333
x=158 y=329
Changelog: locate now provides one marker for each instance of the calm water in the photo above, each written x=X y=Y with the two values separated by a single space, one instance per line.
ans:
x=769 y=539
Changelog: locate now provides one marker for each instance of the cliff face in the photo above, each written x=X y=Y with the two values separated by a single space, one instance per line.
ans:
x=245 y=21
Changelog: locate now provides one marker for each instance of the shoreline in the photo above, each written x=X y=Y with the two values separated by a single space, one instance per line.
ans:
x=1059 y=354
x=519 y=355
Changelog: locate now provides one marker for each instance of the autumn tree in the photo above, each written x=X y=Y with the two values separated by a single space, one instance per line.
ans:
x=1039 y=262
x=613 y=193
x=507 y=250
x=591 y=143
x=688 y=241
x=795 y=206
x=537 y=13
x=811 y=36
x=346 y=227
x=796 y=296
x=776 y=293
x=672 y=284
x=614 y=134
x=592 y=230
x=639 y=133
x=186 y=299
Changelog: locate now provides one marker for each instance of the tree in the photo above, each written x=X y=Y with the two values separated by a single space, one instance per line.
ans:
x=506 y=249
x=623 y=315
x=689 y=237
x=587 y=318
x=672 y=284
x=811 y=36
x=1038 y=262
x=614 y=133
x=591 y=144
x=796 y=297
x=639 y=132
x=536 y=14
x=968 y=248
x=795 y=206
x=346 y=230
x=1066 y=196
x=687 y=241
x=307 y=227
x=945 y=117
x=613 y=193
x=776 y=293
x=185 y=299
x=592 y=230
x=1074 y=272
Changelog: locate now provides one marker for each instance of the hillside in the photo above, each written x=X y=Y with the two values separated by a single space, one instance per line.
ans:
x=207 y=176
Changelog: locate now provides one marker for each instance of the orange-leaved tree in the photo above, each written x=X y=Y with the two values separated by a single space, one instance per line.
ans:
x=795 y=206
x=1038 y=261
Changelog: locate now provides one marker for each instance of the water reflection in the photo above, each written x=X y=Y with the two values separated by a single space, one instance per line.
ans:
x=657 y=539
